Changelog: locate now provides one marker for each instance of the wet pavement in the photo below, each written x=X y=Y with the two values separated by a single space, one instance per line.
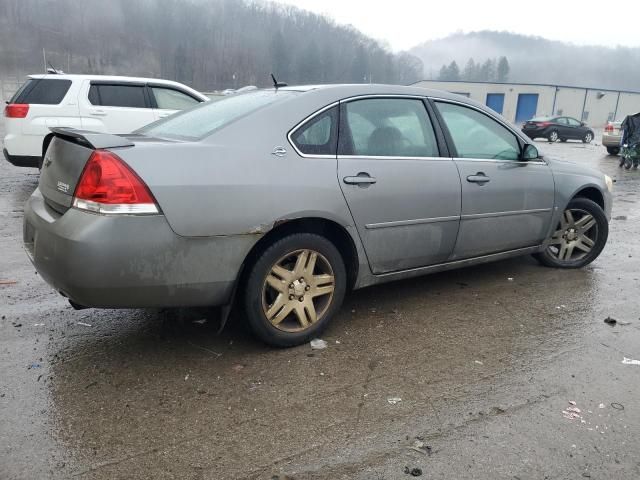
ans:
x=482 y=363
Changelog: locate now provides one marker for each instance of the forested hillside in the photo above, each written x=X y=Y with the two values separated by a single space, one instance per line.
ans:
x=209 y=44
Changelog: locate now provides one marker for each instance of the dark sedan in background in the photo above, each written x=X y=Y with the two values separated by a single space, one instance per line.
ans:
x=557 y=128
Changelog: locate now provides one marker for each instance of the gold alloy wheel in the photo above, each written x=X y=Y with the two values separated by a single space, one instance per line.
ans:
x=298 y=290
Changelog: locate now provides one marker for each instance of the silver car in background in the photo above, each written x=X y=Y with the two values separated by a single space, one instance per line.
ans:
x=611 y=137
x=284 y=199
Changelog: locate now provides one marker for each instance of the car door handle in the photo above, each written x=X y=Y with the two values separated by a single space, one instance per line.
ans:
x=479 y=178
x=164 y=115
x=98 y=113
x=363 y=178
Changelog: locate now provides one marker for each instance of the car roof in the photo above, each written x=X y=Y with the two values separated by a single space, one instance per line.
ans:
x=117 y=78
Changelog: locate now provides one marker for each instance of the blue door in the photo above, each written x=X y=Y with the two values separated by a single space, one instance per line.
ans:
x=527 y=107
x=495 y=101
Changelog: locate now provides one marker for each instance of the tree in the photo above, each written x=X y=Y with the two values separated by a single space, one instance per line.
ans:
x=453 y=71
x=443 y=75
x=487 y=71
x=470 y=72
x=502 y=74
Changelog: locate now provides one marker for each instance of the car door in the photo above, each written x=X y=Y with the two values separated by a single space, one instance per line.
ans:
x=116 y=107
x=506 y=202
x=167 y=100
x=576 y=129
x=564 y=131
x=404 y=196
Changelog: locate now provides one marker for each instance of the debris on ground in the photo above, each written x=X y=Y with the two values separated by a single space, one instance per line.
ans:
x=186 y=377
x=617 y=406
x=237 y=368
x=510 y=279
x=478 y=362
x=318 y=344
x=601 y=405
x=620 y=217
x=393 y=400
x=414 y=472
x=630 y=361
x=85 y=324
x=17 y=325
x=420 y=447
x=572 y=412
x=34 y=365
x=8 y=282
x=202 y=321
x=610 y=321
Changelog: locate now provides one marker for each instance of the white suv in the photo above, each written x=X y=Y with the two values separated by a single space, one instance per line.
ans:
x=88 y=102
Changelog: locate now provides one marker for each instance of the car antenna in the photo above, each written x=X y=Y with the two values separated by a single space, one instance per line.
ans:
x=276 y=83
x=53 y=69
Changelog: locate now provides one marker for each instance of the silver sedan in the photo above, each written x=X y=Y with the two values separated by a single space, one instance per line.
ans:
x=279 y=201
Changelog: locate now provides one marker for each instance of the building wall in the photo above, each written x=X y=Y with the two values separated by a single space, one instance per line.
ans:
x=598 y=106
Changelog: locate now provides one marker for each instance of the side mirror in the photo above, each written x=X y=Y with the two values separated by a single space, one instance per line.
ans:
x=530 y=153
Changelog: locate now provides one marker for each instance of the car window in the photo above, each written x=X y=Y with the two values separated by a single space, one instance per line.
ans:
x=476 y=135
x=171 y=99
x=388 y=127
x=42 y=91
x=204 y=119
x=318 y=136
x=573 y=122
x=132 y=96
x=561 y=121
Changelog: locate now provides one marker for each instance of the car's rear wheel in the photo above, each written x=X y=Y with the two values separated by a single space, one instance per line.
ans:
x=579 y=237
x=613 y=150
x=294 y=289
x=553 y=136
x=587 y=137
x=563 y=140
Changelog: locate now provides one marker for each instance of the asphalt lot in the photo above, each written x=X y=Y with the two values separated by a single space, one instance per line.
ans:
x=484 y=361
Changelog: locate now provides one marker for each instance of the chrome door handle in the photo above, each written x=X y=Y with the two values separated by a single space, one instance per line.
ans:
x=99 y=113
x=479 y=178
x=362 y=178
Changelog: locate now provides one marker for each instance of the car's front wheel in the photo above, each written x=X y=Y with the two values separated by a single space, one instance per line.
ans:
x=294 y=288
x=578 y=238
x=587 y=137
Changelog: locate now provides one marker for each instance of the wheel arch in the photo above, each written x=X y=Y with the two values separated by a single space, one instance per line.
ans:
x=328 y=228
x=591 y=193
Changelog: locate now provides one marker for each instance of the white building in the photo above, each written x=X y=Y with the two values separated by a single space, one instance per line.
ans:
x=519 y=102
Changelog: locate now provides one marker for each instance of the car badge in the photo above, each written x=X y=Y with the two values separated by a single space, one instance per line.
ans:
x=279 y=152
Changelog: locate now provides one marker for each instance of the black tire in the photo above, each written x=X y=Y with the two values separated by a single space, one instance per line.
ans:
x=547 y=257
x=563 y=140
x=552 y=136
x=622 y=160
x=588 y=137
x=260 y=326
x=628 y=162
x=613 y=150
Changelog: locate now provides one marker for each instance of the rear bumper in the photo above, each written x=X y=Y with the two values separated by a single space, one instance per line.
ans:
x=535 y=132
x=129 y=261
x=611 y=140
x=21 y=160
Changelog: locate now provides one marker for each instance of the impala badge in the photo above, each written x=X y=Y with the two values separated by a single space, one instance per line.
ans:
x=63 y=187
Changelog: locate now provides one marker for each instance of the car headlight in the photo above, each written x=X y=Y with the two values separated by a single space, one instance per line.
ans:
x=609 y=181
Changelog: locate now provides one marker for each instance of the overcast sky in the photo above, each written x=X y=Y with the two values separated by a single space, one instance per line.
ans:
x=405 y=23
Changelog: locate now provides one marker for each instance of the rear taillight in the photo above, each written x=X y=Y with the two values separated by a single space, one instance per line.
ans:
x=16 y=110
x=108 y=185
x=543 y=124
x=608 y=128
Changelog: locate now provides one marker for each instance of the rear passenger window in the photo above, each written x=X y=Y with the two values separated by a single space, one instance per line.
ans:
x=387 y=127
x=42 y=91
x=170 y=99
x=132 y=96
x=319 y=135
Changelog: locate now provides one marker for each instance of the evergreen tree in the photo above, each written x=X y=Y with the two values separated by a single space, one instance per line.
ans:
x=454 y=71
x=470 y=72
x=502 y=74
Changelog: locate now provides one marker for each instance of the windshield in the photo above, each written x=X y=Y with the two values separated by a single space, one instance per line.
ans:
x=206 y=118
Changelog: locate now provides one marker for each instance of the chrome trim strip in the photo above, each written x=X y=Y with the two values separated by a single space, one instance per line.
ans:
x=497 y=160
x=301 y=123
x=417 y=221
x=383 y=95
x=504 y=214
x=382 y=157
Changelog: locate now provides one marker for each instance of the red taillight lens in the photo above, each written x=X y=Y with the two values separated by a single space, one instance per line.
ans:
x=608 y=129
x=543 y=124
x=16 y=110
x=108 y=185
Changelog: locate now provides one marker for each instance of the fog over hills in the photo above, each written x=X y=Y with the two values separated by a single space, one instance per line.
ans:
x=536 y=59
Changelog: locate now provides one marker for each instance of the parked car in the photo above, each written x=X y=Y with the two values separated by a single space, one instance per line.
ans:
x=557 y=128
x=611 y=137
x=286 y=198
x=89 y=102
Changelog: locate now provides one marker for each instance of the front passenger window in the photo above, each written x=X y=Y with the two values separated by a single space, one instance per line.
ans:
x=476 y=135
